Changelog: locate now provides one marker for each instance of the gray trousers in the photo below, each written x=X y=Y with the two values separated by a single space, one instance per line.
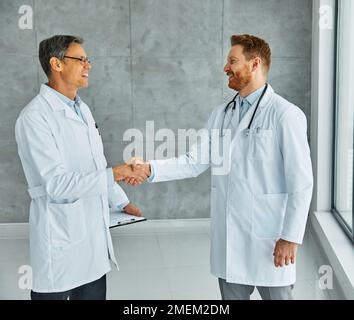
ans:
x=234 y=291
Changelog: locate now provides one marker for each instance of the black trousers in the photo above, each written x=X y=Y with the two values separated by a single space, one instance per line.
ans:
x=95 y=290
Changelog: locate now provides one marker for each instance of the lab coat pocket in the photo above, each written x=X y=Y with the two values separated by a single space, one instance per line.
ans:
x=67 y=223
x=262 y=145
x=268 y=215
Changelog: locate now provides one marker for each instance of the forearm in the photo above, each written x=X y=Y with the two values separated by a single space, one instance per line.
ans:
x=73 y=185
x=296 y=215
x=175 y=169
x=117 y=197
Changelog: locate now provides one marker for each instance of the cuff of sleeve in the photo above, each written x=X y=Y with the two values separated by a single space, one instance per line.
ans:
x=121 y=206
x=110 y=177
x=152 y=173
x=117 y=197
x=292 y=239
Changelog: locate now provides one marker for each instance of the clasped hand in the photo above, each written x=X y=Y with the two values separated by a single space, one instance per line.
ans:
x=134 y=172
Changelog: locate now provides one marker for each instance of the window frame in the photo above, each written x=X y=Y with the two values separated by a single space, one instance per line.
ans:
x=349 y=230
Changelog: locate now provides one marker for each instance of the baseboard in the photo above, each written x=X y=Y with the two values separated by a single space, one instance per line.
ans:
x=14 y=230
x=21 y=230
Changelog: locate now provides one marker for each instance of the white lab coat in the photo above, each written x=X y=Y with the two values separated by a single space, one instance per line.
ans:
x=266 y=195
x=64 y=164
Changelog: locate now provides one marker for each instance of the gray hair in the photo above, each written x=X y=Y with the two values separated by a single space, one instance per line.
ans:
x=55 y=46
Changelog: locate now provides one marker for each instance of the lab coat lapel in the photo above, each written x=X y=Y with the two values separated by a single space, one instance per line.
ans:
x=231 y=118
x=266 y=102
x=243 y=125
x=57 y=105
x=89 y=119
x=92 y=133
x=69 y=113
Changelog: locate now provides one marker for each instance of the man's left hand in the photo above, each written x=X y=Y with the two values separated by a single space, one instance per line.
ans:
x=284 y=253
x=133 y=210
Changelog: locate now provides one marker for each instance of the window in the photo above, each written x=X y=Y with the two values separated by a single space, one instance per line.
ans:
x=344 y=120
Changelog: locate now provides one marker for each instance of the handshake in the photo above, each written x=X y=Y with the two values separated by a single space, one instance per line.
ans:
x=134 y=172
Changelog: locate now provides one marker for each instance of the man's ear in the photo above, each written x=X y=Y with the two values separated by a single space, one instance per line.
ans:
x=256 y=63
x=55 y=64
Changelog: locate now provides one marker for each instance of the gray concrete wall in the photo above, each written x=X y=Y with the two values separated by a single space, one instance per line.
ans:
x=158 y=60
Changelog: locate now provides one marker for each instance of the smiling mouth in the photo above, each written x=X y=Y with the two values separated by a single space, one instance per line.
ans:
x=85 y=75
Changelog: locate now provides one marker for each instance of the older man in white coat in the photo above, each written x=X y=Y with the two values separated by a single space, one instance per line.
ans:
x=62 y=156
x=259 y=208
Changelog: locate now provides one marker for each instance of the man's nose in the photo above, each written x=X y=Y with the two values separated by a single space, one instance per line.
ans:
x=227 y=67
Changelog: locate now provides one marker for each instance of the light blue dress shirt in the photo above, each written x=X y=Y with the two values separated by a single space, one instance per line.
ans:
x=75 y=106
x=246 y=103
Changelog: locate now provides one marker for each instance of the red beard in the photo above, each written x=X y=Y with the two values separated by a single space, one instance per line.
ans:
x=241 y=80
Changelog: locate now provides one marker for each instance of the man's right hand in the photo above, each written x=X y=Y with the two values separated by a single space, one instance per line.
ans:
x=126 y=172
x=138 y=164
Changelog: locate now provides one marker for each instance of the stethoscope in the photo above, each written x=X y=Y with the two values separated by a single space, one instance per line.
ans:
x=233 y=103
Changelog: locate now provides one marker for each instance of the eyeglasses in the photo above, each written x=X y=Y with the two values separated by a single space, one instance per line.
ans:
x=83 y=60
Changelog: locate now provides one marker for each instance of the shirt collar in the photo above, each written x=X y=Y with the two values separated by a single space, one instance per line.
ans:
x=254 y=96
x=65 y=99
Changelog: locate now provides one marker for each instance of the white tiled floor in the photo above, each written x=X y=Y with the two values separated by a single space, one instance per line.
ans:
x=162 y=263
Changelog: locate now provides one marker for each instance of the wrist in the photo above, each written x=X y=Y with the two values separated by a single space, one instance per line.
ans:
x=289 y=242
x=118 y=172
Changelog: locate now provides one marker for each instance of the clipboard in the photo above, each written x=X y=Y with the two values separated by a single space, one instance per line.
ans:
x=118 y=219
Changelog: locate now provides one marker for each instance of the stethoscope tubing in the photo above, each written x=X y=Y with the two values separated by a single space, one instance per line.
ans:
x=254 y=113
